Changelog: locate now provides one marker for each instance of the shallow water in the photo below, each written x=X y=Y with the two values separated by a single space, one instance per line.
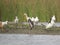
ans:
x=57 y=24
x=29 y=39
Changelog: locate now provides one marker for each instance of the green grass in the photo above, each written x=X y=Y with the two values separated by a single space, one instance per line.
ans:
x=44 y=9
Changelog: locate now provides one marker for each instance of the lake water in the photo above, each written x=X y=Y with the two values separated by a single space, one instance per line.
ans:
x=57 y=24
x=29 y=39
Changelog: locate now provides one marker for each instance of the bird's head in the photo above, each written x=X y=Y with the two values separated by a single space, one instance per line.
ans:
x=25 y=14
x=53 y=18
x=7 y=21
x=36 y=17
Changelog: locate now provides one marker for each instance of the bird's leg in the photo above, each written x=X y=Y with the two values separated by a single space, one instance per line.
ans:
x=54 y=27
x=31 y=28
x=16 y=25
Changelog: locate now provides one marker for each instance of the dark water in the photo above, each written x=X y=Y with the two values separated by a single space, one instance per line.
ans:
x=25 y=39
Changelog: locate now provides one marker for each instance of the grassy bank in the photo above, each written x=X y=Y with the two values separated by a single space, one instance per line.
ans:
x=44 y=9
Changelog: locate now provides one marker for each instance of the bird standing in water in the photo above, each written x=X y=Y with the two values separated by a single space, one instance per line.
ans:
x=51 y=23
x=31 y=23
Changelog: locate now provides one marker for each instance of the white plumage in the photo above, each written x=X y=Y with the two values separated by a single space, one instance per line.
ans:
x=30 y=21
x=33 y=19
x=36 y=19
x=27 y=16
x=49 y=25
x=16 y=19
x=4 y=23
x=53 y=19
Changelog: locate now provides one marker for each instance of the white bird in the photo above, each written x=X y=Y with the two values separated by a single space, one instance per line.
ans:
x=53 y=18
x=49 y=25
x=30 y=21
x=2 y=24
x=36 y=19
x=27 y=16
x=33 y=19
x=16 y=19
x=31 y=24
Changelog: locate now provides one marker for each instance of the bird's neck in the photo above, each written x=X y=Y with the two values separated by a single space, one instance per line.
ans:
x=52 y=21
x=26 y=16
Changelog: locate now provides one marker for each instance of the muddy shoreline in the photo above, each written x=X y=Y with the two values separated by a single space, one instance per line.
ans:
x=35 y=30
